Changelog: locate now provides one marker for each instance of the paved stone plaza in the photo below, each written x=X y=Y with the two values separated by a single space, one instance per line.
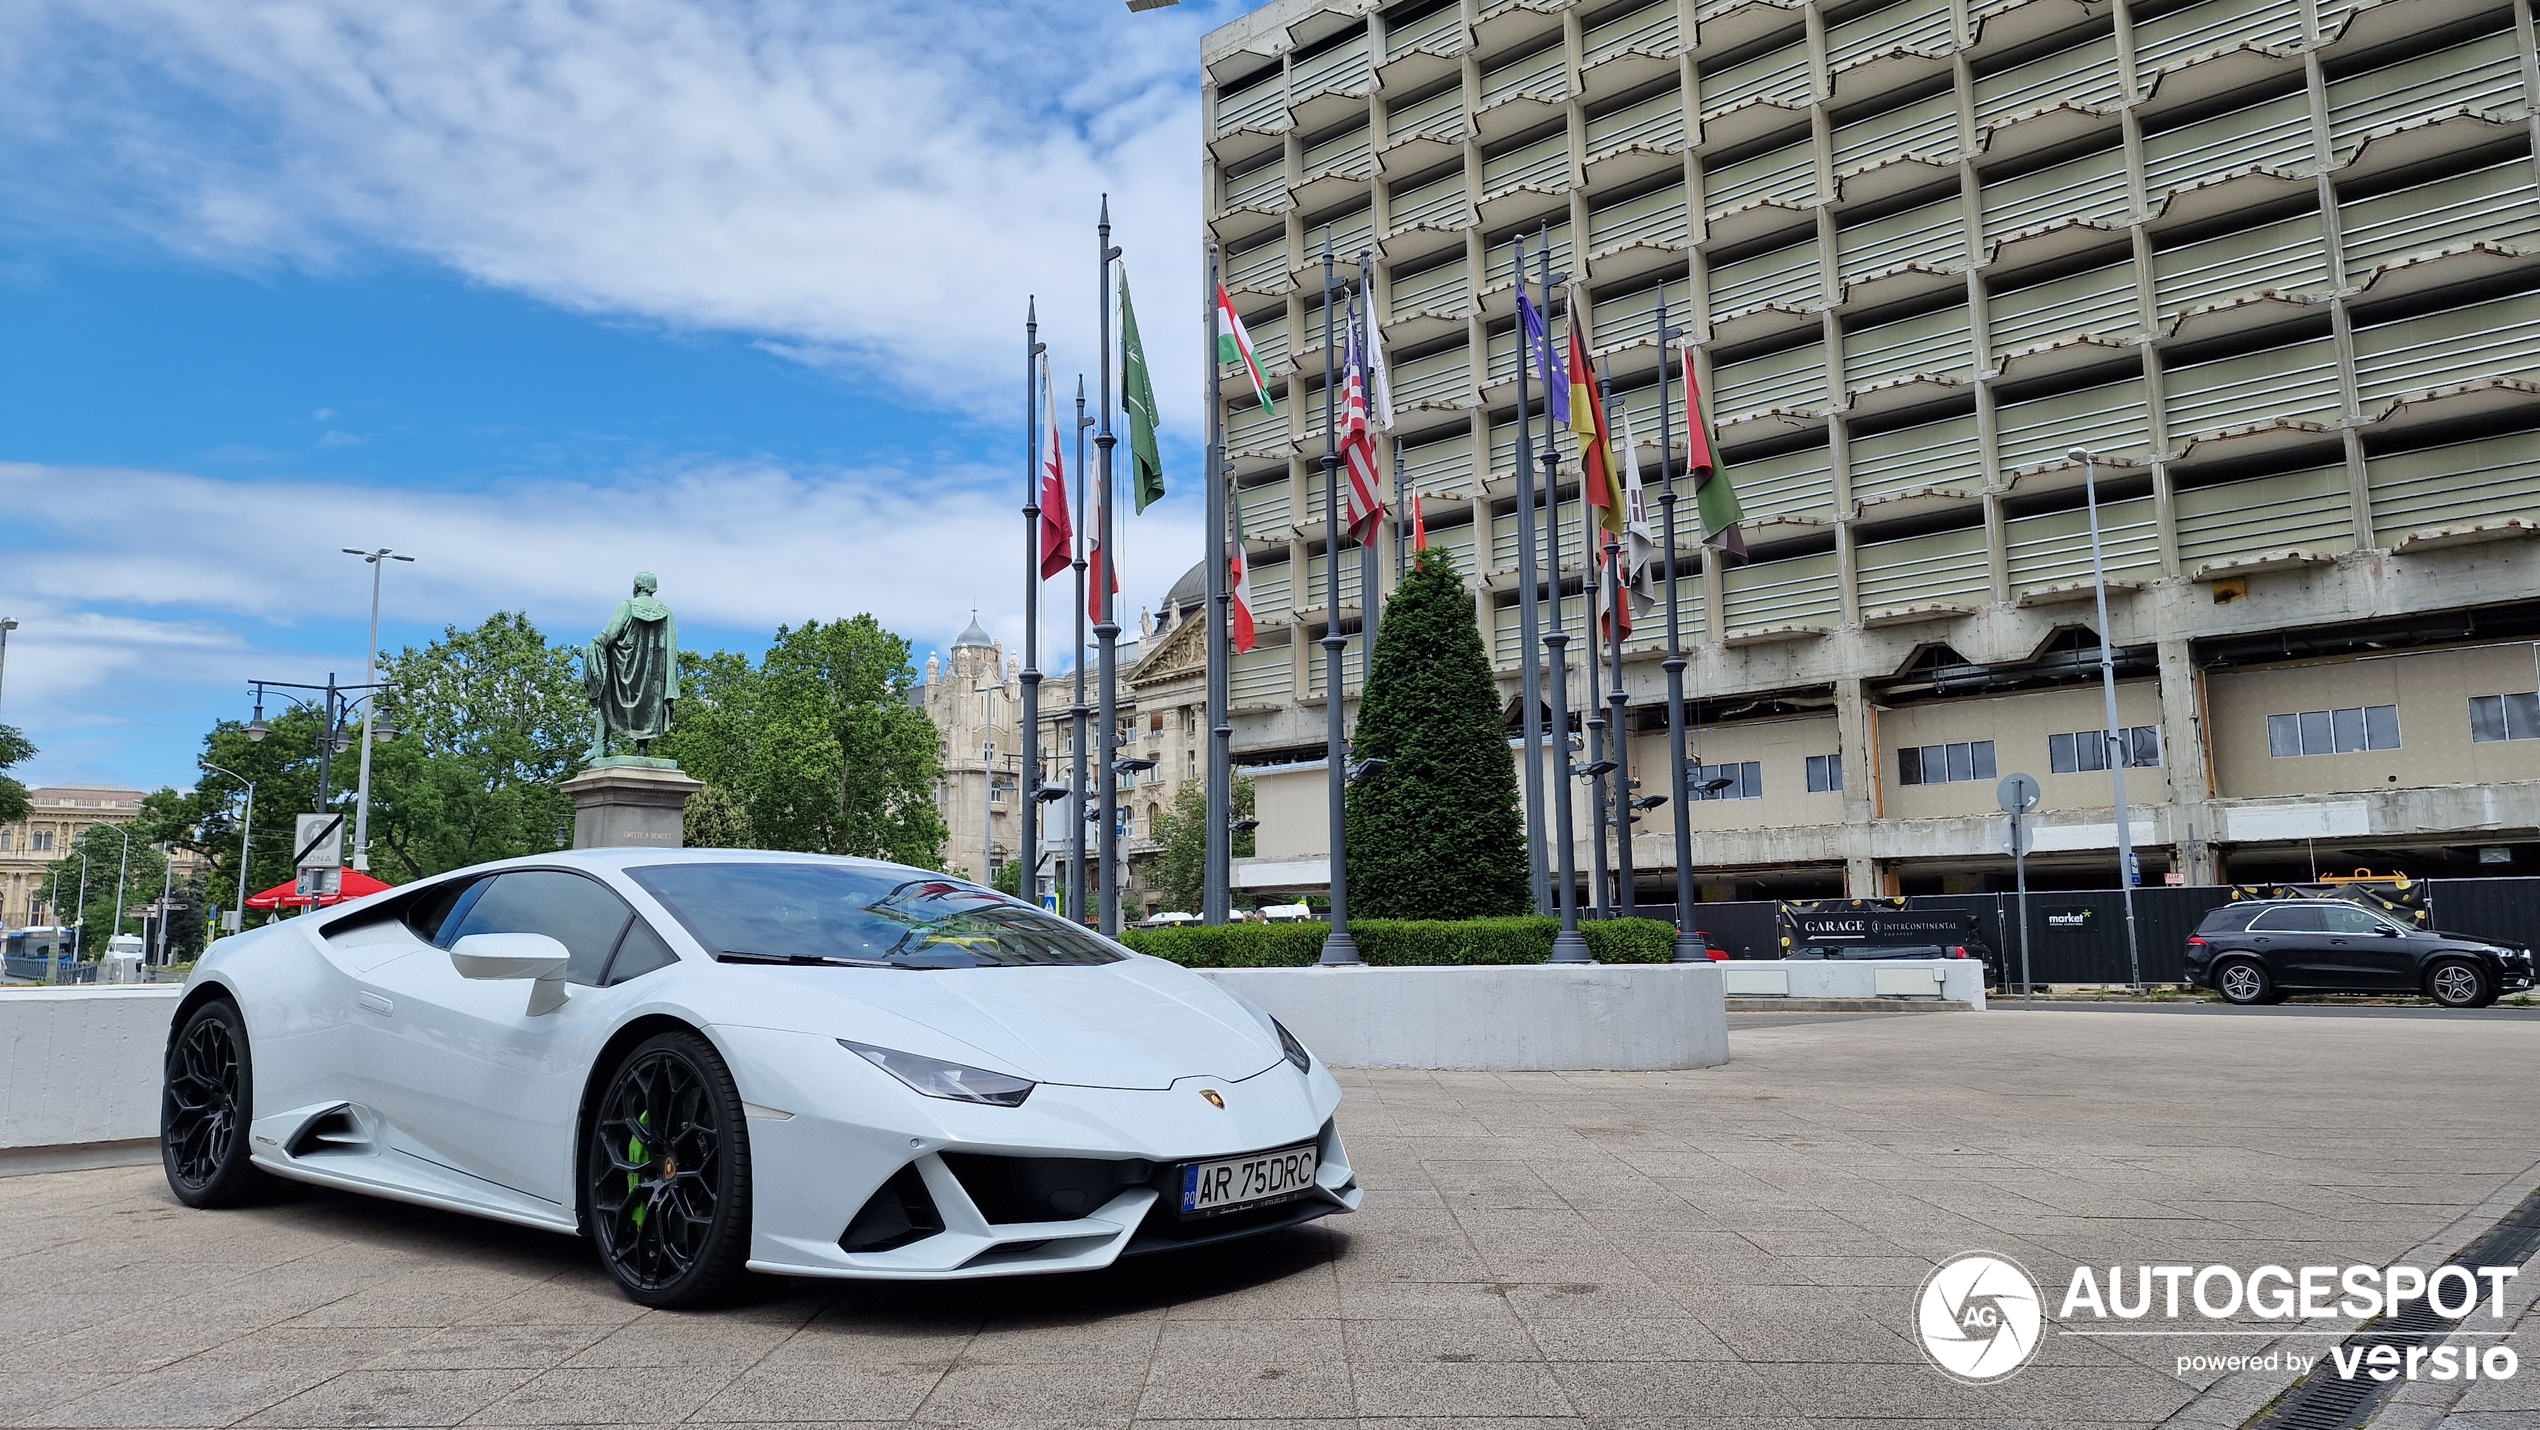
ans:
x=1733 y=1247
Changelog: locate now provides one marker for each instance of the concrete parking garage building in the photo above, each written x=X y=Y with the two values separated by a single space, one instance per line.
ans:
x=2277 y=263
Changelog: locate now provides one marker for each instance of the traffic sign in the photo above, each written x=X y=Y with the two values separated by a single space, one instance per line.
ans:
x=317 y=842
x=2017 y=794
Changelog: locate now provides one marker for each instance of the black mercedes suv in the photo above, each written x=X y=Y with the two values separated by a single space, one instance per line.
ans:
x=2259 y=950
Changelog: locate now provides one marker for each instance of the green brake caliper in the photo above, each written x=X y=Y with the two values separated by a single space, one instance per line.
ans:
x=635 y=1153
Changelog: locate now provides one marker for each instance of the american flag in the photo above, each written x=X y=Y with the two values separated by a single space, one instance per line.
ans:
x=1358 y=447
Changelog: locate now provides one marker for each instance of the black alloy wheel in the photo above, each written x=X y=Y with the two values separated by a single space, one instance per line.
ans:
x=205 y=1103
x=667 y=1174
x=2459 y=983
x=2244 y=981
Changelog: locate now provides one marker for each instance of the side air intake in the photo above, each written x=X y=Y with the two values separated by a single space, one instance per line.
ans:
x=899 y=1213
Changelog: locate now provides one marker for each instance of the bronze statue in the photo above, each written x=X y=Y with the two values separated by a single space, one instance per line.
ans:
x=631 y=672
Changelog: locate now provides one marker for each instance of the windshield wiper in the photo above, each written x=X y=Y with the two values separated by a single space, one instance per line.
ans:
x=739 y=955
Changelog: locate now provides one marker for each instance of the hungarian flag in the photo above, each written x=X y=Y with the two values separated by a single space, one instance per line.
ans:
x=1058 y=534
x=1358 y=449
x=1137 y=394
x=1419 y=527
x=1712 y=496
x=1239 y=581
x=1595 y=438
x=1234 y=348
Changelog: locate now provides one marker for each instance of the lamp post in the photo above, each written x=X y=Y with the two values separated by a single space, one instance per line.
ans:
x=335 y=704
x=1529 y=621
x=1107 y=624
x=378 y=562
x=2108 y=689
x=1689 y=944
x=988 y=784
x=7 y=624
x=246 y=822
x=123 y=870
x=1568 y=946
x=1338 y=947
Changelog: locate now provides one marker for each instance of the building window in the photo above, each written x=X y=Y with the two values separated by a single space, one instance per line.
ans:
x=2087 y=750
x=1745 y=781
x=2334 y=732
x=1825 y=774
x=1190 y=764
x=2491 y=718
x=43 y=840
x=1945 y=764
x=1190 y=722
x=6 y=836
x=996 y=792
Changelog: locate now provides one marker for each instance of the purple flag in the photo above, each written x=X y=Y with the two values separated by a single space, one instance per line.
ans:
x=1556 y=378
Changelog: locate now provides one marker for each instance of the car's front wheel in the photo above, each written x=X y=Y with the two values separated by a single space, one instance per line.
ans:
x=2244 y=981
x=2458 y=983
x=668 y=1173
x=205 y=1101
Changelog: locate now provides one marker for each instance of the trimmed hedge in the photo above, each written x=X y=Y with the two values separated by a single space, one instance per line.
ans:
x=1404 y=943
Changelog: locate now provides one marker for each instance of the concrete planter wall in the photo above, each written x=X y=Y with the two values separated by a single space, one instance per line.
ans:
x=1512 y=1018
x=82 y=1064
x=1958 y=979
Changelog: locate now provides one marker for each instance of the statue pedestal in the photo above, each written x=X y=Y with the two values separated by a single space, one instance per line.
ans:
x=628 y=801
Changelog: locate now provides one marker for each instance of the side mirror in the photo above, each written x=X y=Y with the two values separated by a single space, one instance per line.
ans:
x=505 y=956
x=2389 y=932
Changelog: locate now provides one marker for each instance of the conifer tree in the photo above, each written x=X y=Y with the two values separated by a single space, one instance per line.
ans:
x=1436 y=833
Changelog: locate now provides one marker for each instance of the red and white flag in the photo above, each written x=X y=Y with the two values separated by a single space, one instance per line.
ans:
x=1358 y=449
x=1419 y=527
x=1239 y=581
x=1058 y=533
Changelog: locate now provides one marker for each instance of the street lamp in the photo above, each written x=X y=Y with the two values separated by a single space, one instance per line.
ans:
x=7 y=624
x=378 y=562
x=246 y=821
x=335 y=704
x=2108 y=688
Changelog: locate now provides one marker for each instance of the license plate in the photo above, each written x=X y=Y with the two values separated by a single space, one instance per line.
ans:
x=1259 y=1179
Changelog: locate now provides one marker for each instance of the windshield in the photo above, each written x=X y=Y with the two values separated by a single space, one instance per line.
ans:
x=842 y=913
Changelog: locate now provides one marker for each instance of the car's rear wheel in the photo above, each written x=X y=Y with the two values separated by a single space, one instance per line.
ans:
x=668 y=1174
x=2244 y=981
x=2458 y=983
x=205 y=1101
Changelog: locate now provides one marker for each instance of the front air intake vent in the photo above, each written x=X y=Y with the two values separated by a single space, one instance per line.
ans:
x=1009 y=1190
x=901 y=1212
x=335 y=1132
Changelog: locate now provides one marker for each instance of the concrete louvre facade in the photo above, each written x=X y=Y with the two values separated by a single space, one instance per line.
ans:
x=2278 y=265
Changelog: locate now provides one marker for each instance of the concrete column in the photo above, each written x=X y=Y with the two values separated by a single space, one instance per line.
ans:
x=2185 y=760
x=1854 y=719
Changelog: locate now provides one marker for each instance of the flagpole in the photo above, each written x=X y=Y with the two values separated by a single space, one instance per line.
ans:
x=1529 y=625
x=1600 y=893
x=1371 y=605
x=1027 y=784
x=1216 y=892
x=1618 y=729
x=1567 y=946
x=1689 y=945
x=1338 y=947
x=1107 y=624
x=1077 y=713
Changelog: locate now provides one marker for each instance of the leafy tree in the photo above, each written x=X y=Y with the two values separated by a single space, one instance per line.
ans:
x=14 y=750
x=104 y=845
x=1009 y=878
x=715 y=820
x=1179 y=869
x=1436 y=833
x=818 y=744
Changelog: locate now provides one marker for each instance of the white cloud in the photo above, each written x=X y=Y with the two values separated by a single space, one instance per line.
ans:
x=884 y=179
x=187 y=583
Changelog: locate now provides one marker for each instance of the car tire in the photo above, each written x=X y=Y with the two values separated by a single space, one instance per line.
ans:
x=2459 y=983
x=2244 y=981
x=669 y=1214
x=206 y=1099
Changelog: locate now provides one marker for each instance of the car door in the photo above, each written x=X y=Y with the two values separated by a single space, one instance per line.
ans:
x=2368 y=951
x=469 y=1077
x=2293 y=941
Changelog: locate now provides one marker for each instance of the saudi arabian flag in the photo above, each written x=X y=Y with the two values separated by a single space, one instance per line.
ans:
x=1234 y=348
x=1137 y=394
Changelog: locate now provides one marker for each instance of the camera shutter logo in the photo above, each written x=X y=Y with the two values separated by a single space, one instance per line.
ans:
x=1979 y=1317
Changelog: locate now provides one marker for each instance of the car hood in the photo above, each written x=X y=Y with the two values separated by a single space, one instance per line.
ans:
x=1141 y=1023
x=2474 y=941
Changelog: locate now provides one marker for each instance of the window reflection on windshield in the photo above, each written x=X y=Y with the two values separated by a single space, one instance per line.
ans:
x=794 y=912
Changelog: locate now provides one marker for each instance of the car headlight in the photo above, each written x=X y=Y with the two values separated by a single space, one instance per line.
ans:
x=1297 y=1055
x=933 y=1077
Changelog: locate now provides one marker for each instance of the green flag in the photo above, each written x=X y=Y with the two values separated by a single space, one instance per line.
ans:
x=1137 y=394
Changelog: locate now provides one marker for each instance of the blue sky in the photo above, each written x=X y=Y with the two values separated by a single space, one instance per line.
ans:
x=543 y=293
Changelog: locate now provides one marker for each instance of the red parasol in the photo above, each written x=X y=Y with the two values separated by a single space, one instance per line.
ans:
x=357 y=885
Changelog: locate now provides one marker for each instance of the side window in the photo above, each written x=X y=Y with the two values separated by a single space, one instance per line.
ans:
x=639 y=953
x=2352 y=921
x=2300 y=918
x=425 y=916
x=577 y=912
